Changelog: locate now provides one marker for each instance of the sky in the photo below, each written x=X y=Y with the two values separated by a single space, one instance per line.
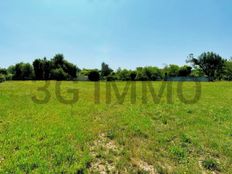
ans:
x=122 y=33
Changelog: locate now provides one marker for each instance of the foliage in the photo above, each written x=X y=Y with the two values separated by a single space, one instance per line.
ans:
x=2 y=78
x=197 y=72
x=185 y=71
x=56 y=67
x=3 y=74
x=210 y=63
x=210 y=164
x=3 y=71
x=172 y=70
x=23 y=71
x=228 y=70
x=42 y=68
x=207 y=64
x=85 y=72
x=11 y=69
x=148 y=73
x=58 y=74
x=94 y=75
x=105 y=70
x=111 y=77
x=123 y=75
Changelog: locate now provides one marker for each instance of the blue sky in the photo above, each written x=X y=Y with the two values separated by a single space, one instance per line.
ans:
x=122 y=33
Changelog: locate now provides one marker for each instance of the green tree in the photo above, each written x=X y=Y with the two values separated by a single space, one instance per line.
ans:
x=2 y=78
x=152 y=73
x=185 y=71
x=172 y=70
x=70 y=69
x=148 y=73
x=228 y=70
x=94 y=75
x=11 y=69
x=23 y=71
x=46 y=68
x=141 y=76
x=38 y=69
x=133 y=75
x=58 y=62
x=123 y=74
x=197 y=72
x=58 y=74
x=210 y=63
x=105 y=70
x=3 y=71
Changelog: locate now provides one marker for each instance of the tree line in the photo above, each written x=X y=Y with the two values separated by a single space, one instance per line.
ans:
x=208 y=64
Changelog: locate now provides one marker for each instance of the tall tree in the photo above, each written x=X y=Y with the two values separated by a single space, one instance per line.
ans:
x=210 y=63
x=58 y=61
x=38 y=69
x=46 y=69
x=42 y=68
x=105 y=70
x=70 y=69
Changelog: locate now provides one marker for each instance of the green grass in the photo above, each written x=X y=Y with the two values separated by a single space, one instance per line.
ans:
x=131 y=138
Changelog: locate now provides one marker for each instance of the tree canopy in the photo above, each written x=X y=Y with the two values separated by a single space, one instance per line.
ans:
x=55 y=69
x=210 y=63
x=207 y=64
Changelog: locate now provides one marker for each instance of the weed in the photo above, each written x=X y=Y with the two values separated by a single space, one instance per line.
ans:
x=210 y=164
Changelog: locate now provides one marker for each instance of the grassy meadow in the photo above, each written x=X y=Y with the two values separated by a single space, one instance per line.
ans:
x=86 y=137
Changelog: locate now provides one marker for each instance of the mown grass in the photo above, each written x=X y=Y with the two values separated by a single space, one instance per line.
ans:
x=58 y=138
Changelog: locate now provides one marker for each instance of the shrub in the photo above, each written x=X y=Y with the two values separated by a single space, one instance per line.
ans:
x=94 y=75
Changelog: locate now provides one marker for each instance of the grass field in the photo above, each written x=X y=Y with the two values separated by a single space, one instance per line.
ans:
x=129 y=138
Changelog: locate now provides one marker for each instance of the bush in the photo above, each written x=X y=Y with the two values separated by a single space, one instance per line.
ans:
x=94 y=75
